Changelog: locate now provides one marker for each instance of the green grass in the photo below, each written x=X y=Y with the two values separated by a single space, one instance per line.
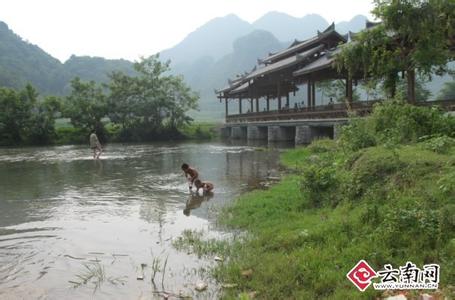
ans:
x=381 y=204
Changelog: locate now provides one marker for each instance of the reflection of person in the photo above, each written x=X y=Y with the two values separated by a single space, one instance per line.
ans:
x=195 y=201
x=190 y=173
x=95 y=145
x=205 y=186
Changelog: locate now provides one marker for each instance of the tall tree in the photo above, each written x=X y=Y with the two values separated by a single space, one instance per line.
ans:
x=153 y=100
x=86 y=105
x=414 y=36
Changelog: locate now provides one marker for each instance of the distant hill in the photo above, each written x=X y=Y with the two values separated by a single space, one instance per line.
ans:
x=356 y=24
x=95 y=68
x=287 y=28
x=22 y=63
x=213 y=39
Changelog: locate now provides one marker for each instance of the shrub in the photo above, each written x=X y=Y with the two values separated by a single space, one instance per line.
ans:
x=439 y=144
x=322 y=146
x=395 y=122
x=373 y=168
x=357 y=135
x=316 y=183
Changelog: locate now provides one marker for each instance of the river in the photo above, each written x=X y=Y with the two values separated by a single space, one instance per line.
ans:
x=61 y=212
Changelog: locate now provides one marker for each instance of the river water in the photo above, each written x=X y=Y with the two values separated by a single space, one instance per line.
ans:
x=61 y=212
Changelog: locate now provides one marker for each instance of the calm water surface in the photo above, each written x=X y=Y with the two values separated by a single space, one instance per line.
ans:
x=61 y=210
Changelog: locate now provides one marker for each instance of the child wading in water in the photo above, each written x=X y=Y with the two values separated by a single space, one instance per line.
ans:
x=206 y=187
x=191 y=174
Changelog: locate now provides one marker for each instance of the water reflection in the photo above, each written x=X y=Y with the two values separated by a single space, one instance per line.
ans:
x=57 y=204
x=195 y=200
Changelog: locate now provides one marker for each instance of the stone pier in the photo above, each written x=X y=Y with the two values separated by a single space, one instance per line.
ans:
x=256 y=133
x=238 y=132
x=303 y=135
x=225 y=132
x=303 y=132
x=281 y=133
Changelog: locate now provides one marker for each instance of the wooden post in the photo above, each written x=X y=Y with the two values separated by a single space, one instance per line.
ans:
x=257 y=104
x=279 y=96
x=411 y=81
x=268 y=103
x=309 y=102
x=226 y=106
x=313 y=93
x=349 y=92
x=287 y=100
x=240 y=106
x=251 y=105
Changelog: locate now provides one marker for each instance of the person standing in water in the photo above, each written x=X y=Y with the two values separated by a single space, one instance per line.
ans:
x=95 y=145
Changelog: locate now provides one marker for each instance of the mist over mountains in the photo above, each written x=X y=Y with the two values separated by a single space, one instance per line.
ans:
x=207 y=57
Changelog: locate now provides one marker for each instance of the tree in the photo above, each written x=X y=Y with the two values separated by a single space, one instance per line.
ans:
x=14 y=115
x=86 y=106
x=42 y=120
x=414 y=36
x=152 y=101
x=25 y=119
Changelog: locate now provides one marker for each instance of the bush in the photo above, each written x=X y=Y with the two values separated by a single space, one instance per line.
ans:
x=395 y=122
x=439 y=144
x=316 y=183
x=71 y=135
x=404 y=123
x=372 y=169
x=322 y=146
x=357 y=135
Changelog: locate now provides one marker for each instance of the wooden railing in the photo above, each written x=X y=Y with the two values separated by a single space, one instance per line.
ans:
x=329 y=111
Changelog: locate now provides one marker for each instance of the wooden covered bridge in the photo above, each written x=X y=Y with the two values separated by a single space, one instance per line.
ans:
x=279 y=75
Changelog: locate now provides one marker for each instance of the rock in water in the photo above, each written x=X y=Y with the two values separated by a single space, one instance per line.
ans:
x=201 y=286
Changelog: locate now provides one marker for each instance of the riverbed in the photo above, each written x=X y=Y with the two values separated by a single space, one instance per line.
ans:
x=64 y=216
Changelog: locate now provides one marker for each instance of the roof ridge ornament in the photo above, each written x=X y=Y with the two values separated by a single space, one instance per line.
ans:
x=330 y=28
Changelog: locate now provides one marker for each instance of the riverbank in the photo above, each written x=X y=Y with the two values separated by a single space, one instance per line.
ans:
x=384 y=192
x=66 y=134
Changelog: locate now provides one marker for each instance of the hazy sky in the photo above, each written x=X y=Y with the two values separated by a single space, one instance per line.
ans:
x=131 y=28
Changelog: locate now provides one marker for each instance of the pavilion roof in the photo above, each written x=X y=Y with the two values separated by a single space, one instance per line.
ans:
x=242 y=88
x=324 y=62
x=232 y=84
x=297 y=46
x=282 y=64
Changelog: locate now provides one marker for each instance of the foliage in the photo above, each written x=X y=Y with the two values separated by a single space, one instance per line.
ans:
x=356 y=135
x=25 y=119
x=439 y=144
x=199 y=131
x=151 y=102
x=414 y=35
x=394 y=122
x=86 y=106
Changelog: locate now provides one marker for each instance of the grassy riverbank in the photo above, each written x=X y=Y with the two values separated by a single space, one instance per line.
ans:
x=383 y=192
